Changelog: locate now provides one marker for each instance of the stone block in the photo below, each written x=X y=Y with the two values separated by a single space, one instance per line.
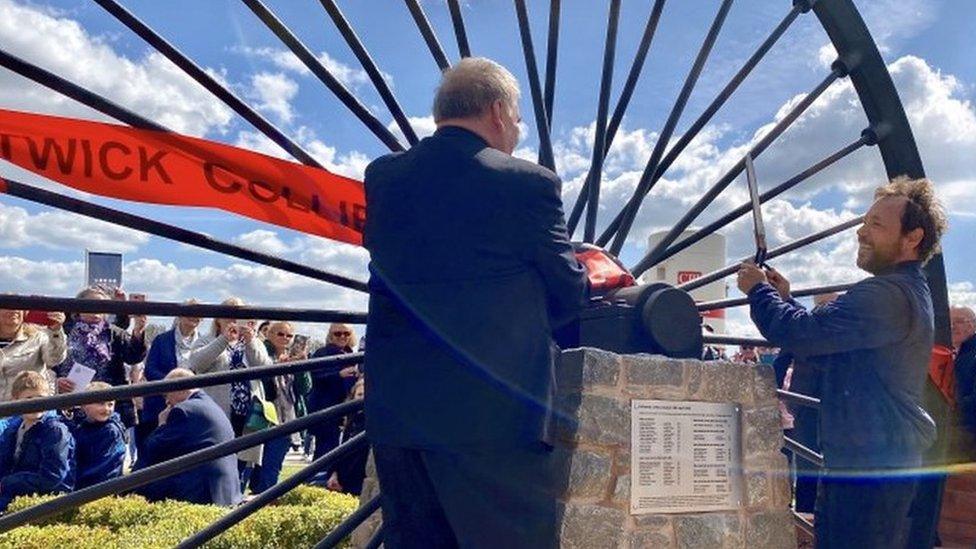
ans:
x=764 y=385
x=583 y=473
x=586 y=526
x=653 y=370
x=762 y=431
x=707 y=530
x=758 y=489
x=621 y=492
x=771 y=530
x=580 y=369
x=652 y=522
x=566 y=409
x=603 y=420
x=649 y=540
x=720 y=381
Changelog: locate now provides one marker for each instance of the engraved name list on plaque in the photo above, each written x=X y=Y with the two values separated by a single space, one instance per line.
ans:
x=685 y=456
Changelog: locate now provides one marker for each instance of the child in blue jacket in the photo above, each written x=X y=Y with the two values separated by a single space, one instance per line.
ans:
x=99 y=441
x=36 y=449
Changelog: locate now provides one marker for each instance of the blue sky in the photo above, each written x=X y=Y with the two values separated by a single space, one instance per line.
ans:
x=925 y=42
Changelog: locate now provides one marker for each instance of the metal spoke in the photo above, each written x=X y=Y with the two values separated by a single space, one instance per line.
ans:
x=650 y=259
x=165 y=308
x=730 y=340
x=868 y=137
x=714 y=106
x=248 y=508
x=739 y=301
x=618 y=113
x=377 y=539
x=375 y=76
x=318 y=69
x=458 y=21
x=552 y=46
x=541 y=120
x=645 y=183
x=169 y=468
x=329 y=365
x=74 y=91
x=192 y=70
x=776 y=252
x=172 y=232
x=803 y=451
x=797 y=398
x=420 y=18
x=606 y=81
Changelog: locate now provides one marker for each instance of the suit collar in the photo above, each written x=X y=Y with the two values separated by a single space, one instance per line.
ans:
x=463 y=135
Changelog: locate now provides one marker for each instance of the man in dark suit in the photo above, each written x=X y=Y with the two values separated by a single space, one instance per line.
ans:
x=471 y=269
x=191 y=421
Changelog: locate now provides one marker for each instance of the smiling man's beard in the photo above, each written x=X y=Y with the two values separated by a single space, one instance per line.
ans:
x=875 y=259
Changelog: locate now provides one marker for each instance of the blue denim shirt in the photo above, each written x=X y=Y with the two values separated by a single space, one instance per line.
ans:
x=873 y=346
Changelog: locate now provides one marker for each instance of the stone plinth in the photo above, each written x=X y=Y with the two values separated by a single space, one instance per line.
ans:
x=592 y=454
x=593 y=444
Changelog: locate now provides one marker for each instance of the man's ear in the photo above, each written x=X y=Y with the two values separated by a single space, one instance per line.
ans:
x=915 y=237
x=497 y=112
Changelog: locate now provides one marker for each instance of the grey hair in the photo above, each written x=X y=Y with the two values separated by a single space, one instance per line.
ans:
x=470 y=87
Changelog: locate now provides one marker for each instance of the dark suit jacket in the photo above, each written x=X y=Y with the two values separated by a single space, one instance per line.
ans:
x=471 y=267
x=194 y=424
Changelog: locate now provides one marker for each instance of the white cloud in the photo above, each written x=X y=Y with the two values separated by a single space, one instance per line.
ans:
x=64 y=230
x=162 y=281
x=264 y=241
x=150 y=86
x=962 y=294
x=274 y=93
x=351 y=164
x=283 y=59
x=422 y=126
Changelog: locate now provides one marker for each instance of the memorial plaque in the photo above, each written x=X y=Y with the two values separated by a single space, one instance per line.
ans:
x=685 y=456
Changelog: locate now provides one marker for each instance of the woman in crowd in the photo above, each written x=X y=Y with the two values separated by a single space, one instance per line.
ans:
x=351 y=469
x=286 y=391
x=26 y=346
x=169 y=350
x=231 y=345
x=106 y=348
x=330 y=389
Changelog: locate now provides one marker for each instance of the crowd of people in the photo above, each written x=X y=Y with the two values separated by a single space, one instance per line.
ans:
x=63 y=450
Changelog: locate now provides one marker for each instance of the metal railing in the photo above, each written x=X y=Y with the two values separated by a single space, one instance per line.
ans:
x=136 y=479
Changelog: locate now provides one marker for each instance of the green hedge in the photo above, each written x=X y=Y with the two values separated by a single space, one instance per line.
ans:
x=299 y=519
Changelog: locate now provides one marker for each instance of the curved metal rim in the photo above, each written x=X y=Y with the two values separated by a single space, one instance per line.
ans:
x=883 y=107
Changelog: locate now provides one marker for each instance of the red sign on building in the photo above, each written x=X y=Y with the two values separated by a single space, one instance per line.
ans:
x=688 y=276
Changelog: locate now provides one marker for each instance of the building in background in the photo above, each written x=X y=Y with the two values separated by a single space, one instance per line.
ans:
x=704 y=257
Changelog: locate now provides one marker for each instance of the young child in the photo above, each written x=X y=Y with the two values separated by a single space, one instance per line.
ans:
x=36 y=449
x=351 y=468
x=99 y=441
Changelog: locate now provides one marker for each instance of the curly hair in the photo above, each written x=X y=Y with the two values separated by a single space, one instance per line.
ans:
x=922 y=211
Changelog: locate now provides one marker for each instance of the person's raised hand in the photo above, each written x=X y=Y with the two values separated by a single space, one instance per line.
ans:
x=65 y=385
x=778 y=281
x=749 y=276
x=333 y=483
x=247 y=333
x=349 y=371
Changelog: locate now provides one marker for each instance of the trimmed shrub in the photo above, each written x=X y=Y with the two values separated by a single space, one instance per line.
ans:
x=299 y=519
x=59 y=535
x=317 y=496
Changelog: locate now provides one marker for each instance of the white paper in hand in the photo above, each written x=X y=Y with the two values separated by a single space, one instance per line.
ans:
x=81 y=376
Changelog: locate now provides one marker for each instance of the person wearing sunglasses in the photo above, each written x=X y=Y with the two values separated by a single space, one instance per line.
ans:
x=330 y=388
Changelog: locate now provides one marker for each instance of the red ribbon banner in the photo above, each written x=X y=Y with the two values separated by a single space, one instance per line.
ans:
x=168 y=168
